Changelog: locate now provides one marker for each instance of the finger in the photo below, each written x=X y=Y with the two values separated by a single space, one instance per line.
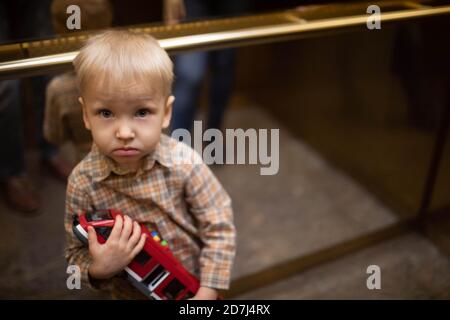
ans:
x=135 y=236
x=139 y=246
x=92 y=238
x=117 y=229
x=127 y=228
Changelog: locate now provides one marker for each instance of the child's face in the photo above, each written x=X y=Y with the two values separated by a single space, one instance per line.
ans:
x=126 y=124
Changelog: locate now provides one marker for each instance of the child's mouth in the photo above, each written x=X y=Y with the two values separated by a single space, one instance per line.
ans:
x=126 y=152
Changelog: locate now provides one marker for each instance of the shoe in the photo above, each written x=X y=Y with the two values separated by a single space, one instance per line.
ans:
x=59 y=167
x=20 y=194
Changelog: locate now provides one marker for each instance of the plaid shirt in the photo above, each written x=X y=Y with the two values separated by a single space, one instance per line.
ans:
x=185 y=202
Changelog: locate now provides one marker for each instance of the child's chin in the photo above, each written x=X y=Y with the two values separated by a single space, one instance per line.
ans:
x=124 y=160
x=127 y=160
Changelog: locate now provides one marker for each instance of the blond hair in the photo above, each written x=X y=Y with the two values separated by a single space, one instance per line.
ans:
x=118 y=59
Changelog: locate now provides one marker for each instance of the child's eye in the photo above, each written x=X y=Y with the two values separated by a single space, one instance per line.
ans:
x=142 y=113
x=105 y=113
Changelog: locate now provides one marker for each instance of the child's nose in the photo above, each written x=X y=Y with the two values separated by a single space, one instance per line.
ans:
x=124 y=132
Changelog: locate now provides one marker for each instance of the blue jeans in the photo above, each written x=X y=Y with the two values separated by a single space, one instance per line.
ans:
x=12 y=158
x=191 y=68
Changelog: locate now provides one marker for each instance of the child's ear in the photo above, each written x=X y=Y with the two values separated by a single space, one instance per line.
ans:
x=168 y=112
x=85 y=117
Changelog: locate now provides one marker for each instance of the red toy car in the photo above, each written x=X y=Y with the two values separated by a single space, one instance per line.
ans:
x=154 y=271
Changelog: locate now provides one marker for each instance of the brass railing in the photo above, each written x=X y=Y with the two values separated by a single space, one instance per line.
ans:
x=45 y=56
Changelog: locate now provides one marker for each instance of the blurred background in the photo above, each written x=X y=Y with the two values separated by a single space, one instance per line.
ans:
x=364 y=173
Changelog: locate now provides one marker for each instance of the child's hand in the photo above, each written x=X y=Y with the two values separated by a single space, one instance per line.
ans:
x=205 y=293
x=123 y=244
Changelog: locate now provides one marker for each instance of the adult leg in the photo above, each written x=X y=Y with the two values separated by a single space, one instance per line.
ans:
x=17 y=188
x=223 y=64
x=190 y=70
x=12 y=159
x=37 y=24
x=222 y=84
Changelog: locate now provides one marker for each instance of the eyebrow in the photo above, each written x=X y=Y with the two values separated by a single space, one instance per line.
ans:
x=137 y=107
x=107 y=100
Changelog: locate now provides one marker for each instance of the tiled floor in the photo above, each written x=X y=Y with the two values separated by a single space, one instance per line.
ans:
x=410 y=268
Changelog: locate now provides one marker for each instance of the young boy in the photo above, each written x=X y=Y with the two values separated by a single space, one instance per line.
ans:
x=125 y=83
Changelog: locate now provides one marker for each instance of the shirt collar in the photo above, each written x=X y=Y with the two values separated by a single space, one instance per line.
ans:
x=102 y=166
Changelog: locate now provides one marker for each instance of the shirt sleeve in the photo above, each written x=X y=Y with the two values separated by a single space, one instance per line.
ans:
x=211 y=206
x=76 y=253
